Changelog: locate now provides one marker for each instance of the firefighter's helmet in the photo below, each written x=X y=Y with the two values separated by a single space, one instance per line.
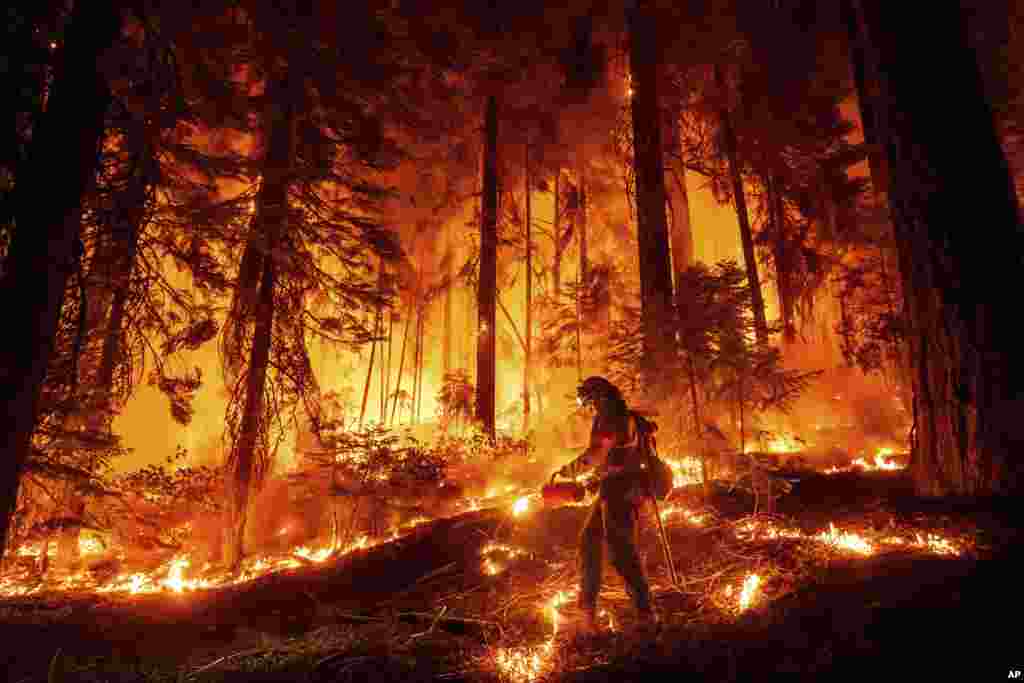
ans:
x=596 y=390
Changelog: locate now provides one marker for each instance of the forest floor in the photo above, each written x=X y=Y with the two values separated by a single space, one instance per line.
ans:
x=473 y=597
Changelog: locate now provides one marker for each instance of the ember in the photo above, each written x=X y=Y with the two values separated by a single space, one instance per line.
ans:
x=882 y=461
x=845 y=541
x=528 y=663
x=690 y=516
x=750 y=586
x=684 y=471
x=492 y=567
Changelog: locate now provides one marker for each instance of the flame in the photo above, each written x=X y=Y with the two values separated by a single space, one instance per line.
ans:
x=846 y=540
x=782 y=443
x=521 y=506
x=750 y=586
x=882 y=461
x=490 y=566
x=528 y=663
x=685 y=471
x=175 y=577
x=690 y=516
x=89 y=545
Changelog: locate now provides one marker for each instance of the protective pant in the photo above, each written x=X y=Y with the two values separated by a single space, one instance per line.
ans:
x=613 y=518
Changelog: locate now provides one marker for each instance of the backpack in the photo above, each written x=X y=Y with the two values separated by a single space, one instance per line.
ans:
x=659 y=473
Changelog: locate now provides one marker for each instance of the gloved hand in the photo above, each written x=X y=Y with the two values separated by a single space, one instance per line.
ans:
x=563 y=472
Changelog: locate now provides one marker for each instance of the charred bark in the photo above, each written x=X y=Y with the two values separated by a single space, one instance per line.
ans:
x=681 y=231
x=42 y=250
x=649 y=174
x=964 y=339
x=270 y=225
x=742 y=215
x=782 y=255
x=487 y=285
x=556 y=268
x=581 y=226
x=528 y=333
x=396 y=400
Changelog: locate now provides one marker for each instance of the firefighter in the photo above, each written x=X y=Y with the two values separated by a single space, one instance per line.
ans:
x=614 y=455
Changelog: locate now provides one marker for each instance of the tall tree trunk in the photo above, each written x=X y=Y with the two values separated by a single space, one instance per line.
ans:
x=401 y=364
x=781 y=253
x=865 y=75
x=556 y=268
x=385 y=384
x=271 y=224
x=649 y=174
x=742 y=215
x=487 y=287
x=581 y=225
x=964 y=339
x=373 y=347
x=584 y=266
x=61 y=166
x=420 y=325
x=528 y=332
x=446 y=342
x=866 y=79
x=116 y=260
x=681 y=231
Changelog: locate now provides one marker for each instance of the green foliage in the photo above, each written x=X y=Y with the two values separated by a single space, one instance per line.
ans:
x=716 y=354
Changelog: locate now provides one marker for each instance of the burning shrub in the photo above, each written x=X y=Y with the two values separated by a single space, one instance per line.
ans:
x=370 y=466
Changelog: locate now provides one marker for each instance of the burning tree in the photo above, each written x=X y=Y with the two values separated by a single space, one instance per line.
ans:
x=315 y=228
x=717 y=362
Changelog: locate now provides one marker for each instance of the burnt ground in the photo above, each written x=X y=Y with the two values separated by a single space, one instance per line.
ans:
x=370 y=615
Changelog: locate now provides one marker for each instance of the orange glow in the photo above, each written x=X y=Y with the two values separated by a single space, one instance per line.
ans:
x=749 y=592
x=846 y=541
x=521 y=506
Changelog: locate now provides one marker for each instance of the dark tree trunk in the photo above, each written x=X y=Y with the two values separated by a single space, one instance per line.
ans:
x=528 y=332
x=487 y=288
x=782 y=255
x=584 y=268
x=401 y=366
x=446 y=342
x=377 y=331
x=679 y=200
x=649 y=174
x=964 y=337
x=60 y=167
x=271 y=221
x=742 y=215
x=421 y=314
x=116 y=261
x=556 y=268
x=581 y=226
x=865 y=75
x=866 y=79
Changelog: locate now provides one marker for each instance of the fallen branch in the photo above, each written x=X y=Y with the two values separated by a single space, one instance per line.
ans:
x=453 y=624
x=225 y=658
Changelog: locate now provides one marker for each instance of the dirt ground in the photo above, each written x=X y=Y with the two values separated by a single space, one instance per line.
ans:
x=426 y=608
